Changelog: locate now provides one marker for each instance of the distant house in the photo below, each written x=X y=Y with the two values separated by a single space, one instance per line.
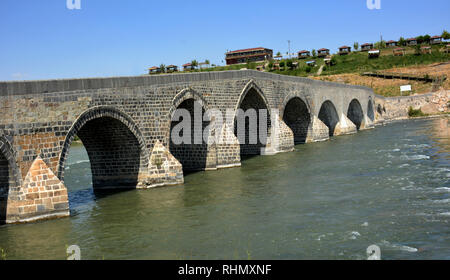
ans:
x=323 y=52
x=399 y=52
x=366 y=47
x=435 y=40
x=327 y=60
x=260 y=67
x=188 y=66
x=447 y=48
x=344 y=50
x=311 y=63
x=154 y=70
x=391 y=43
x=411 y=41
x=248 y=55
x=171 y=68
x=425 y=49
x=374 y=53
x=303 y=54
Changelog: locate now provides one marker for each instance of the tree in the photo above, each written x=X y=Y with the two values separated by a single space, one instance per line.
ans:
x=445 y=35
x=289 y=64
x=355 y=46
x=162 y=68
x=313 y=52
x=420 y=39
x=278 y=54
x=402 y=41
x=194 y=63
x=281 y=64
x=207 y=62
x=417 y=49
x=426 y=39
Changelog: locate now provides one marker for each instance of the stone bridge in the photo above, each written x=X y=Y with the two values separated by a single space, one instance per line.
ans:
x=125 y=125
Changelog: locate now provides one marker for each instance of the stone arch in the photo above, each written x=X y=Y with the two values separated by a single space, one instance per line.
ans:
x=296 y=114
x=196 y=154
x=115 y=146
x=251 y=85
x=355 y=113
x=370 y=111
x=329 y=116
x=251 y=97
x=9 y=175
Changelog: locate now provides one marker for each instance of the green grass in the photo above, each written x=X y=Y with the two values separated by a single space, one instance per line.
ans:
x=359 y=62
x=415 y=113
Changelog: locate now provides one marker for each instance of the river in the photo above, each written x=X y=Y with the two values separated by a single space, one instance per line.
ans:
x=388 y=186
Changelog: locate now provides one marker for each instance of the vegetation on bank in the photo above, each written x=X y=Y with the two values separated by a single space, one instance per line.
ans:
x=412 y=113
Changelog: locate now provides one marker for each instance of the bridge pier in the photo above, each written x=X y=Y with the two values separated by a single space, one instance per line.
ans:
x=344 y=126
x=280 y=138
x=41 y=196
x=317 y=131
x=163 y=169
x=228 y=148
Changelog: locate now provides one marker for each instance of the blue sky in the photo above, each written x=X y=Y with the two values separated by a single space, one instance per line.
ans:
x=45 y=40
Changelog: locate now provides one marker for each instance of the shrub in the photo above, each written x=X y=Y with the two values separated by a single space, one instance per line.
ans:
x=415 y=113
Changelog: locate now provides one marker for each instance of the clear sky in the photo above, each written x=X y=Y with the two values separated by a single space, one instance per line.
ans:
x=42 y=39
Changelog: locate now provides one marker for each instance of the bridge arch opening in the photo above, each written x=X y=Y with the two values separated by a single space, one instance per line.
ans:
x=329 y=116
x=4 y=185
x=187 y=143
x=355 y=113
x=114 y=147
x=253 y=115
x=296 y=115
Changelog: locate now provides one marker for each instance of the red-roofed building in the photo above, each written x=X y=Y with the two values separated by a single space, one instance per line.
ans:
x=188 y=66
x=411 y=41
x=344 y=50
x=391 y=43
x=248 y=55
x=399 y=52
x=303 y=54
x=435 y=40
x=366 y=47
x=323 y=52
x=154 y=70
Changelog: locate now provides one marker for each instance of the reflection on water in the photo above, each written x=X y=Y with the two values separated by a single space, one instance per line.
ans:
x=389 y=186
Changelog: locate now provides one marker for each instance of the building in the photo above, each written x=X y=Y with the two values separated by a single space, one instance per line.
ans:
x=248 y=55
x=435 y=40
x=447 y=48
x=303 y=54
x=188 y=66
x=411 y=41
x=399 y=52
x=323 y=52
x=154 y=70
x=391 y=43
x=374 y=53
x=311 y=63
x=366 y=47
x=425 y=49
x=344 y=50
x=171 y=68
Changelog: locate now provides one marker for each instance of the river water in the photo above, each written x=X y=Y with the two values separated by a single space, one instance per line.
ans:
x=388 y=186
